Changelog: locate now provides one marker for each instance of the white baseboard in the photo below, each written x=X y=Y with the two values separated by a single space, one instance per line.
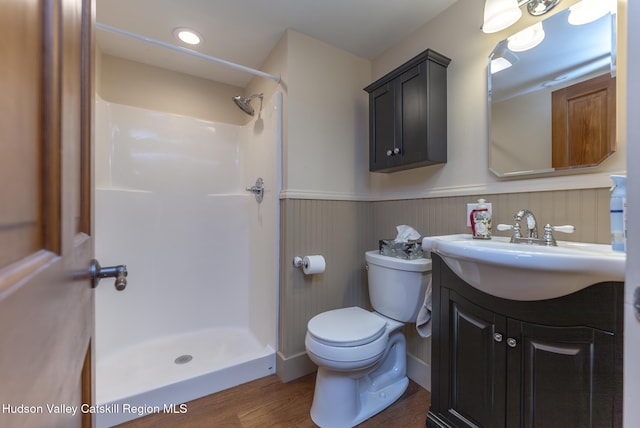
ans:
x=293 y=367
x=419 y=371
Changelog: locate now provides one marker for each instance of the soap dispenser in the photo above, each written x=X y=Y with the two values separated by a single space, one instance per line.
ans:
x=480 y=219
x=618 y=212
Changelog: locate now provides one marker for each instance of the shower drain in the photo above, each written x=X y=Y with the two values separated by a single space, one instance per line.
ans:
x=183 y=359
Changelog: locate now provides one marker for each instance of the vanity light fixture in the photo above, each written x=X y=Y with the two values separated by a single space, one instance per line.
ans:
x=526 y=39
x=500 y=14
x=187 y=36
x=588 y=11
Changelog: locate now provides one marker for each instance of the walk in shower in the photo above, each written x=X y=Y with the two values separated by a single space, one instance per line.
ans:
x=200 y=308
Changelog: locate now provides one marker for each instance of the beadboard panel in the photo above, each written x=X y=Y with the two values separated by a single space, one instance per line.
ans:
x=343 y=230
x=586 y=209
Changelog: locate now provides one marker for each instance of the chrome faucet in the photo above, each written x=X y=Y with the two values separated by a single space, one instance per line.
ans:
x=531 y=236
x=532 y=225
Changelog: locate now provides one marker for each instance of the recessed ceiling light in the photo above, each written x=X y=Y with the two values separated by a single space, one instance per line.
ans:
x=187 y=36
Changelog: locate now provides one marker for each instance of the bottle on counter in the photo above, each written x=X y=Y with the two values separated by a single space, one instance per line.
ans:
x=480 y=219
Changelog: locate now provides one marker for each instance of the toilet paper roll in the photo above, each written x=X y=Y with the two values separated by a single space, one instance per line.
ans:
x=313 y=264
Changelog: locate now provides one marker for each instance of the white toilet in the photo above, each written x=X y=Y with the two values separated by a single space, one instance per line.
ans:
x=361 y=355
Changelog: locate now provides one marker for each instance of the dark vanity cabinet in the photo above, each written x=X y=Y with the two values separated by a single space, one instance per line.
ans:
x=408 y=115
x=501 y=363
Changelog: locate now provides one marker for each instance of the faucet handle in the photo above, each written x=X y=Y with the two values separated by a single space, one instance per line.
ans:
x=548 y=235
x=567 y=228
x=515 y=227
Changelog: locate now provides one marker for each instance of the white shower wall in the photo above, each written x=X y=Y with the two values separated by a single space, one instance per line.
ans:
x=170 y=204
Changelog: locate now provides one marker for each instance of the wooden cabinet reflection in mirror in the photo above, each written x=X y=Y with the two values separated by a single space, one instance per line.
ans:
x=584 y=123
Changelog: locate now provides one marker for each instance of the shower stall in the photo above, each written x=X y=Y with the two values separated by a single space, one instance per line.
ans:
x=200 y=309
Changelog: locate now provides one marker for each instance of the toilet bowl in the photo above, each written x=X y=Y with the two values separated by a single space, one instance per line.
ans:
x=361 y=355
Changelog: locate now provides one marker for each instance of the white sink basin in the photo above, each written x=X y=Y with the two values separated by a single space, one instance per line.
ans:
x=527 y=272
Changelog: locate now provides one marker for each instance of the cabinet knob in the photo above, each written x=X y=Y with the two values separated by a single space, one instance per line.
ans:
x=512 y=342
x=497 y=337
x=396 y=151
x=389 y=152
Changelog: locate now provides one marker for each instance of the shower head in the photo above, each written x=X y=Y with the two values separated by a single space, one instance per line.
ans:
x=245 y=103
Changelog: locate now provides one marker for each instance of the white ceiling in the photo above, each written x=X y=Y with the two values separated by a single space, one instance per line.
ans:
x=245 y=31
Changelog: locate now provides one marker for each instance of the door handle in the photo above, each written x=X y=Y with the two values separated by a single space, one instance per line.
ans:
x=118 y=272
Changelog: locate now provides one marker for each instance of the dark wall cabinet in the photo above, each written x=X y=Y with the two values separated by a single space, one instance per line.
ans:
x=408 y=115
x=499 y=363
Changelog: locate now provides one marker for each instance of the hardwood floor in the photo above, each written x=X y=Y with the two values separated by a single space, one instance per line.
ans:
x=267 y=402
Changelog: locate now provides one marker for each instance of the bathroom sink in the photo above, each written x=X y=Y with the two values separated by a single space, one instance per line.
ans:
x=527 y=272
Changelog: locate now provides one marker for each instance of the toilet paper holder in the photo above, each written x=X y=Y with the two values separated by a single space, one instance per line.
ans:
x=298 y=262
x=310 y=265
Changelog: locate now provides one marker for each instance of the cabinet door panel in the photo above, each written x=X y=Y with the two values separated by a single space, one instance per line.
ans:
x=476 y=365
x=566 y=376
x=436 y=112
x=382 y=128
x=412 y=114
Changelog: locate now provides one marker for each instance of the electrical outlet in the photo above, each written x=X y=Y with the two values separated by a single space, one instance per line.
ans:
x=471 y=207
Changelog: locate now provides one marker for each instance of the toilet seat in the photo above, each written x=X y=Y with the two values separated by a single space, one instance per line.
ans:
x=347 y=335
x=346 y=327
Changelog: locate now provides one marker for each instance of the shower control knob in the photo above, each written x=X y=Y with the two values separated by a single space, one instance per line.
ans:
x=258 y=189
x=98 y=272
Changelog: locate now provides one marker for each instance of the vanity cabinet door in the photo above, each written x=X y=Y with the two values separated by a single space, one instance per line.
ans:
x=559 y=376
x=472 y=357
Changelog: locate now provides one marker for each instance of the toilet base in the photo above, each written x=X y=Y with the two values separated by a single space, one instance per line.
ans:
x=342 y=400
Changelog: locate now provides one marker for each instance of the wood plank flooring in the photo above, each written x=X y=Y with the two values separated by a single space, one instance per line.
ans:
x=267 y=402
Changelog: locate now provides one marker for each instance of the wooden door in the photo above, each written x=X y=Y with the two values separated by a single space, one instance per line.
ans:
x=46 y=302
x=583 y=123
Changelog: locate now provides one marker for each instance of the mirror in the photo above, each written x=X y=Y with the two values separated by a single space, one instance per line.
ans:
x=536 y=123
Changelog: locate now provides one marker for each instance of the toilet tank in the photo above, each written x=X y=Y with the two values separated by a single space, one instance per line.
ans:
x=397 y=286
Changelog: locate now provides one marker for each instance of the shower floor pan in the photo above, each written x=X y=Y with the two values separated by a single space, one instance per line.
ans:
x=169 y=371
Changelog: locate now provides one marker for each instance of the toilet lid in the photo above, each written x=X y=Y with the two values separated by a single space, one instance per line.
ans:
x=346 y=327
